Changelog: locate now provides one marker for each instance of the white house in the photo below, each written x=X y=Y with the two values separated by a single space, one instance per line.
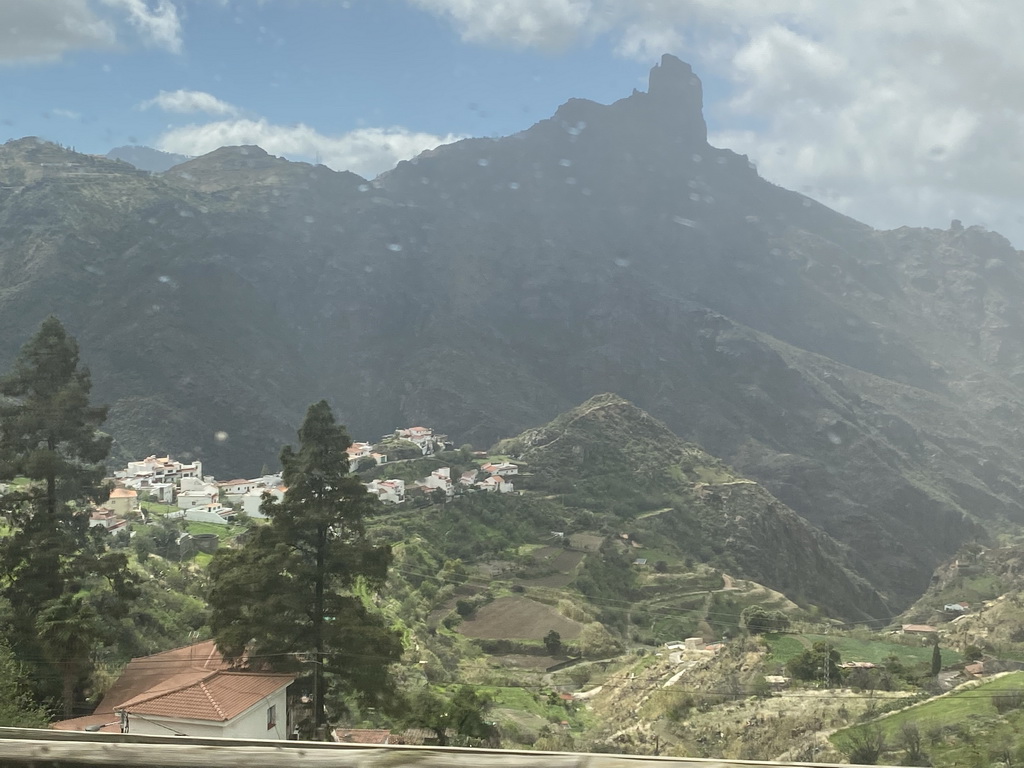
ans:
x=423 y=437
x=237 y=488
x=174 y=692
x=106 y=519
x=252 y=500
x=440 y=479
x=233 y=705
x=503 y=468
x=162 y=493
x=392 y=491
x=495 y=483
x=190 y=499
x=155 y=469
x=356 y=452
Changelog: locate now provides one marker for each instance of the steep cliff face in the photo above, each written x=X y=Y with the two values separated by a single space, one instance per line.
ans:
x=870 y=380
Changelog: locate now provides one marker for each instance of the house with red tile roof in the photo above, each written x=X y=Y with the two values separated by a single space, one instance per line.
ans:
x=190 y=691
x=234 y=705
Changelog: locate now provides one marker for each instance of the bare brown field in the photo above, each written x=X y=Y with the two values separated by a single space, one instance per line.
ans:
x=564 y=561
x=518 y=618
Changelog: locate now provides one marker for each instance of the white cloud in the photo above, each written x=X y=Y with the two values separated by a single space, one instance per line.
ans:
x=895 y=111
x=42 y=31
x=34 y=31
x=365 y=151
x=185 y=102
x=550 y=24
x=159 y=25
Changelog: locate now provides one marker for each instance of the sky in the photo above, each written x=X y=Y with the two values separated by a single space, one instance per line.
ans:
x=895 y=112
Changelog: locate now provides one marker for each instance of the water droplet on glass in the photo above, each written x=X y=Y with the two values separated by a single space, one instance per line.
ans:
x=220 y=436
x=184 y=213
x=483 y=162
x=585 y=191
x=396 y=247
x=692 y=184
x=709 y=199
x=834 y=438
x=565 y=162
x=164 y=279
x=694 y=196
x=622 y=262
x=367 y=269
x=363 y=187
x=424 y=180
x=684 y=222
x=696 y=158
x=513 y=185
x=570 y=180
x=308 y=219
x=752 y=219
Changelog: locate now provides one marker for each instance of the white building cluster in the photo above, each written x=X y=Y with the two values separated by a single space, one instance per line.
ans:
x=198 y=498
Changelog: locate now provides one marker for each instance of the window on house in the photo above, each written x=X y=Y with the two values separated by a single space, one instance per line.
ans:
x=271 y=716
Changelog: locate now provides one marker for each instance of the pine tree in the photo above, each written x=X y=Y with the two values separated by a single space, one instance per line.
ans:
x=936 y=659
x=301 y=586
x=52 y=564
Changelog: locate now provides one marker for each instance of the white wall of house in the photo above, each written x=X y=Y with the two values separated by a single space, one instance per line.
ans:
x=190 y=499
x=162 y=492
x=253 y=499
x=197 y=484
x=251 y=724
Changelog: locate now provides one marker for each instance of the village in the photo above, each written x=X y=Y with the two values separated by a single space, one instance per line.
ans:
x=200 y=498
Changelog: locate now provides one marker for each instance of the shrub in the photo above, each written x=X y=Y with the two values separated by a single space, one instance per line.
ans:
x=1008 y=701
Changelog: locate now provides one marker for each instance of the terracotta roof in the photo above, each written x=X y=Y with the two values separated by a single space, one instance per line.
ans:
x=149 y=673
x=362 y=736
x=108 y=723
x=122 y=493
x=219 y=696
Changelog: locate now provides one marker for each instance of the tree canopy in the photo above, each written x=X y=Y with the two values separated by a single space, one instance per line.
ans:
x=56 y=570
x=301 y=590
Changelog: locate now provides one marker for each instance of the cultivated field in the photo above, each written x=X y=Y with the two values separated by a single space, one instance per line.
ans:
x=518 y=618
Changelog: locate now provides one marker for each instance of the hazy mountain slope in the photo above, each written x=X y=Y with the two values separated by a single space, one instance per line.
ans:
x=608 y=455
x=870 y=380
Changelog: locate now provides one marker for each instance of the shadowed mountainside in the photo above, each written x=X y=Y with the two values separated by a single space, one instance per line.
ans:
x=870 y=380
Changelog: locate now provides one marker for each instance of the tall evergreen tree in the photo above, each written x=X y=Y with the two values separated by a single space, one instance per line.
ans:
x=49 y=434
x=936 y=659
x=301 y=586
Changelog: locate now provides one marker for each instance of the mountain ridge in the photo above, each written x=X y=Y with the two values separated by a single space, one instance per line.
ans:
x=869 y=380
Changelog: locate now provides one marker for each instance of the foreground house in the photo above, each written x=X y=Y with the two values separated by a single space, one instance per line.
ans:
x=233 y=705
x=191 y=691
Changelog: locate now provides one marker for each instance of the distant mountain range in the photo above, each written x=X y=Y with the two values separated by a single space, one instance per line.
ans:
x=872 y=381
x=147 y=158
